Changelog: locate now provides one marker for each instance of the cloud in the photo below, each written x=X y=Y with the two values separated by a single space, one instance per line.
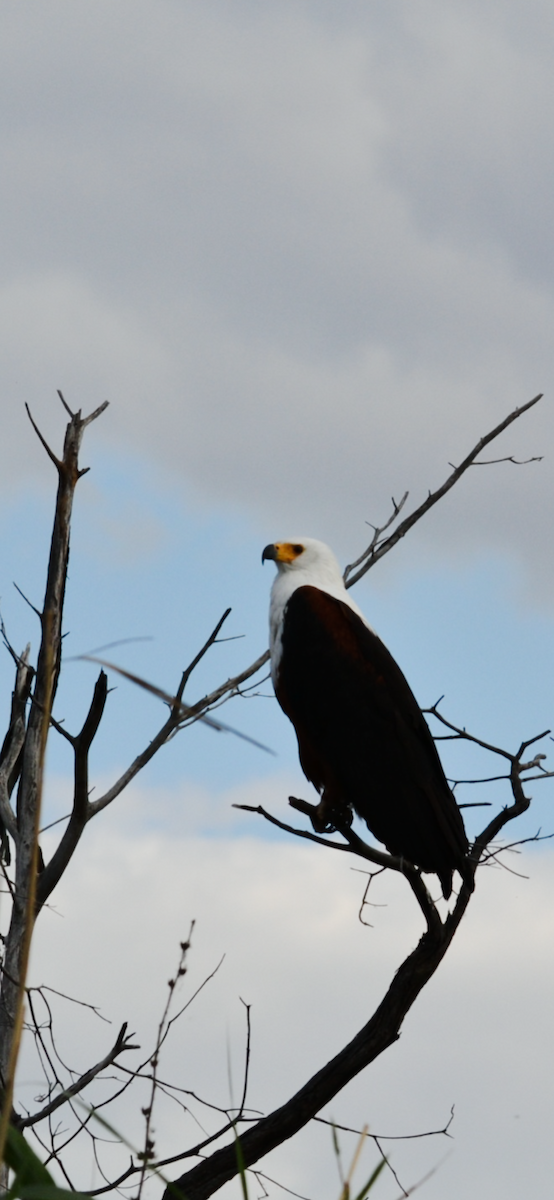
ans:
x=305 y=252
x=297 y=250
x=285 y=916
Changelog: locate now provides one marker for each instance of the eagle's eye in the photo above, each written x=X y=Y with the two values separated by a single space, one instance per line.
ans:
x=298 y=549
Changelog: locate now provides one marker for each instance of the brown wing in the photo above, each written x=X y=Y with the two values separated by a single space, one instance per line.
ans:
x=362 y=736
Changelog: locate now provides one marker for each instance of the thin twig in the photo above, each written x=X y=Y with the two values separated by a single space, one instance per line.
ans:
x=147 y=1155
x=246 y=1057
x=392 y=1137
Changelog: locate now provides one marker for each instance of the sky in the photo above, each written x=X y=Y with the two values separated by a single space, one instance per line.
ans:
x=305 y=251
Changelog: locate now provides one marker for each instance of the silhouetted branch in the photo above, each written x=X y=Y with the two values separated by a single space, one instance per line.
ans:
x=380 y=1032
x=180 y=716
x=54 y=870
x=392 y=1137
x=354 y=845
x=122 y=1043
x=377 y=531
x=187 y=714
x=12 y=748
x=384 y=1026
x=147 y=1154
x=377 y=549
x=32 y=757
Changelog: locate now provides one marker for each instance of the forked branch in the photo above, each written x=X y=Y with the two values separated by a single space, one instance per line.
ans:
x=378 y=548
x=81 y=743
x=123 y=1042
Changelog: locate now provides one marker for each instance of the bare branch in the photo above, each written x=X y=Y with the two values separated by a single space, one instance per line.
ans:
x=66 y=406
x=230 y=687
x=186 y=714
x=198 y=657
x=45 y=684
x=93 y=416
x=463 y=735
x=42 y=439
x=111 y=1187
x=247 y=1057
x=392 y=1137
x=147 y=1155
x=207 y=979
x=29 y=602
x=376 y=551
x=355 y=845
x=85 y=420
x=518 y=462
x=260 y=1175
x=377 y=531
x=377 y=1035
x=44 y=987
x=12 y=748
x=54 y=870
x=123 y=1042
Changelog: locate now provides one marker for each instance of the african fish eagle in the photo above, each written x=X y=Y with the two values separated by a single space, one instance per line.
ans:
x=362 y=739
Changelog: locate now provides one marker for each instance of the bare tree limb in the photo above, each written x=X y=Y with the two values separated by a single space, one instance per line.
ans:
x=377 y=531
x=518 y=462
x=123 y=1042
x=54 y=870
x=354 y=845
x=45 y=683
x=175 y=721
x=43 y=441
x=198 y=657
x=12 y=748
x=392 y=1137
x=375 y=551
x=381 y=1030
x=147 y=1154
x=186 y=713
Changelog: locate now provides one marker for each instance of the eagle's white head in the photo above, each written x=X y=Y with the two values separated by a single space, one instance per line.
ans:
x=305 y=556
x=301 y=562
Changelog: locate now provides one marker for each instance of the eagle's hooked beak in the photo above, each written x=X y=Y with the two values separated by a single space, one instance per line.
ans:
x=270 y=552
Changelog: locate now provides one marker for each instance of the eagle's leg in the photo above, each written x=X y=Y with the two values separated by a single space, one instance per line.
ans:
x=332 y=811
x=328 y=815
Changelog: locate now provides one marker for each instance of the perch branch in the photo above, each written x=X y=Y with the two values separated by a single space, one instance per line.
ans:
x=355 y=845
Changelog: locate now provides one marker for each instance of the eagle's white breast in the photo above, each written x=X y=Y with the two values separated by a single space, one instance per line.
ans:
x=315 y=567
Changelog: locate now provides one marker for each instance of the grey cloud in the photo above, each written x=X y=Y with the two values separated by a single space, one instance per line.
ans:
x=306 y=255
x=286 y=916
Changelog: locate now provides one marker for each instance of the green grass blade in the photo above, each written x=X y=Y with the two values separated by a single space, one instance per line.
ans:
x=372 y=1179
